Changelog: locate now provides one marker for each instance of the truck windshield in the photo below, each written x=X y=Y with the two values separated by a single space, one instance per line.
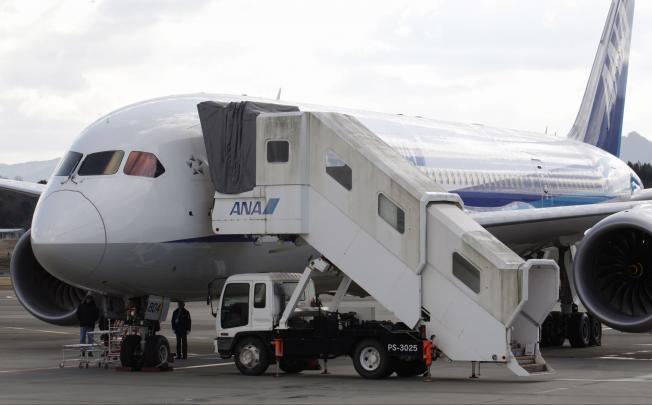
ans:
x=235 y=306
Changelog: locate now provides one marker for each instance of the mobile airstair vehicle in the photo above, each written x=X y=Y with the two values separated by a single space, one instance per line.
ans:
x=325 y=179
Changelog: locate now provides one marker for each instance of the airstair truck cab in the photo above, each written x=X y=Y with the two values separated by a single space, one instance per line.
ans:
x=326 y=179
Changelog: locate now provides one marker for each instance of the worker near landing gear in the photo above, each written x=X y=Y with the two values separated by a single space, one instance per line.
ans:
x=87 y=314
x=181 y=325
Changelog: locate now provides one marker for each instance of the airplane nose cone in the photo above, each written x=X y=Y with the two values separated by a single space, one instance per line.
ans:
x=68 y=236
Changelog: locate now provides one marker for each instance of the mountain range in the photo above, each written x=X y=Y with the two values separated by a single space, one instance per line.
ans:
x=634 y=148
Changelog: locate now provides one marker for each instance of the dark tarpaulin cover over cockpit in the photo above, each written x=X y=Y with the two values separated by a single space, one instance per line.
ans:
x=230 y=137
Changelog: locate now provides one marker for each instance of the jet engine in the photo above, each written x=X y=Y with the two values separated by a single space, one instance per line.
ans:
x=613 y=270
x=44 y=296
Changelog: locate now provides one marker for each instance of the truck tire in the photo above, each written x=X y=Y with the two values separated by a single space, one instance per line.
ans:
x=579 y=330
x=406 y=369
x=251 y=356
x=157 y=351
x=371 y=360
x=130 y=353
x=292 y=366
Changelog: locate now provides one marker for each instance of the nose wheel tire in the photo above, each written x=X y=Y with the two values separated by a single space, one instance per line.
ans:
x=371 y=360
x=131 y=354
x=157 y=351
x=252 y=356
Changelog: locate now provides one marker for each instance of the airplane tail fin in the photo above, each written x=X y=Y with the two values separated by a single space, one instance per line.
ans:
x=600 y=119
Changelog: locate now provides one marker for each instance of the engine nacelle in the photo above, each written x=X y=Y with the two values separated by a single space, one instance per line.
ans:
x=44 y=296
x=613 y=270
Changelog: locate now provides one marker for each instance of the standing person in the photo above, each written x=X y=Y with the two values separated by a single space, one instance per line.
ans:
x=181 y=326
x=87 y=314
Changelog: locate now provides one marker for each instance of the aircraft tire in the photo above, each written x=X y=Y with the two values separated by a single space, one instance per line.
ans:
x=579 y=329
x=157 y=351
x=130 y=353
x=596 y=331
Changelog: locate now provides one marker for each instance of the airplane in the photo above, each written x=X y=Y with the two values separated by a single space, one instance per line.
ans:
x=127 y=212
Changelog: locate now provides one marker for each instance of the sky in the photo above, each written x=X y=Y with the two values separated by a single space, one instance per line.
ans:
x=519 y=64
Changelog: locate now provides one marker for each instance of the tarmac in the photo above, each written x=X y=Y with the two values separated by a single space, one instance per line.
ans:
x=620 y=371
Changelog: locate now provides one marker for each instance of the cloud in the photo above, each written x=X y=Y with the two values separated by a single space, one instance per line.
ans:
x=510 y=63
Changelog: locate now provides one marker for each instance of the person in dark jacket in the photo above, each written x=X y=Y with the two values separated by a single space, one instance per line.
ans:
x=87 y=314
x=181 y=325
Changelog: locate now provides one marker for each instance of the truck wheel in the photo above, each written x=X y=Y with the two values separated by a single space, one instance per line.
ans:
x=371 y=360
x=579 y=329
x=157 y=351
x=251 y=356
x=130 y=353
x=292 y=366
x=409 y=368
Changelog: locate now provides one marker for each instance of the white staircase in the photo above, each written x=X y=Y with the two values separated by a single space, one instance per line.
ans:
x=397 y=235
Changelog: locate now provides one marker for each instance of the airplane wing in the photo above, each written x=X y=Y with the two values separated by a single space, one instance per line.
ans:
x=17 y=202
x=530 y=228
x=22 y=187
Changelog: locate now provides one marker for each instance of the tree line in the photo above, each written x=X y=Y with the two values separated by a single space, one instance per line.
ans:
x=644 y=171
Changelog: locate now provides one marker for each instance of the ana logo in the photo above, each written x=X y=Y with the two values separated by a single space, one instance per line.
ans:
x=254 y=207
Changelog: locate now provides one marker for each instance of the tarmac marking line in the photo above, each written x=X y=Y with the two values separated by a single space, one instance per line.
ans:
x=552 y=390
x=38 y=330
x=22 y=370
x=204 y=366
x=619 y=380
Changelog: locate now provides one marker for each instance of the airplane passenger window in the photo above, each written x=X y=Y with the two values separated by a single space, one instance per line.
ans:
x=391 y=213
x=278 y=151
x=101 y=163
x=68 y=164
x=339 y=170
x=260 y=293
x=235 y=305
x=143 y=164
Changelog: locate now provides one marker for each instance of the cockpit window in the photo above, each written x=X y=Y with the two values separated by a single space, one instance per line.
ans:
x=68 y=164
x=101 y=163
x=143 y=164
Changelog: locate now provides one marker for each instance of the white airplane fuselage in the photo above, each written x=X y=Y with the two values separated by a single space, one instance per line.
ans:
x=130 y=236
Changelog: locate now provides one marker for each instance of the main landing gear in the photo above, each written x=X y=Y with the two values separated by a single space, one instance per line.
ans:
x=580 y=328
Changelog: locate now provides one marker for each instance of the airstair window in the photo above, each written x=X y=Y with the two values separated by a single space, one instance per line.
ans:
x=278 y=151
x=339 y=170
x=391 y=213
x=143 y=164
x=260 y=295
x=68 y=164
x=101 y=163
x=235 y=305
x=466 y=272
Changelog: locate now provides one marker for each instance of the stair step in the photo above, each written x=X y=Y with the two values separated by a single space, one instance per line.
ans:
x=525 y=360
x=535 y=368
